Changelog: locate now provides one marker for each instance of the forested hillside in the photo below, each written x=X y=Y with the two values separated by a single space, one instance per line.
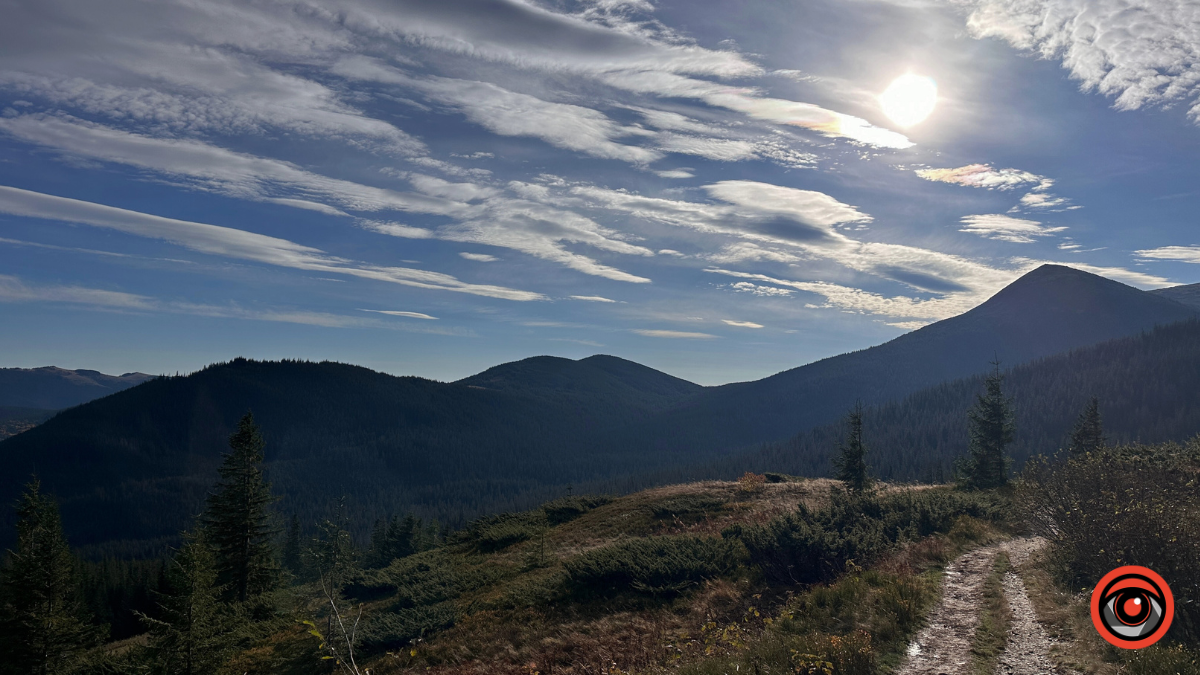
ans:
x=136 y=465
x=1145 y=385
x=1188 y=295
x=1049 y=310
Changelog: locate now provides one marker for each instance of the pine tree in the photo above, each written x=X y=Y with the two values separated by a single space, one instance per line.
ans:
x=992 y=429
x=291 y=548
x=852 y=468
x=189 y=638
x=42 y=631
x=237 y=520
x=1088 y=435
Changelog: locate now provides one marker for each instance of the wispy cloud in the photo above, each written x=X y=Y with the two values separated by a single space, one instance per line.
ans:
x=396 y=312
x=685 y=335
x=741 y=324
x=1187 y=254
x=1006 y=228
x=982 y=176
x=479 y=257
x=232 y=243
x=591 y=298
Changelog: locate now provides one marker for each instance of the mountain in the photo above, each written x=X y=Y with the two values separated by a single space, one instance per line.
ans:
x=1147 y=385
x=1048 y=310
x=51 y=388
x=14 y=420
x=599 y=377
x=1188 y=295
x=137 y=464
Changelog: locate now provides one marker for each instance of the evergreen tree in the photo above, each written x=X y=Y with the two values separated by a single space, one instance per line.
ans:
x=42 y=631
x=1088 y=435
x=851 y=467
x=237 y=520
x=291 y=548
x=190 y=636
x=991 y=426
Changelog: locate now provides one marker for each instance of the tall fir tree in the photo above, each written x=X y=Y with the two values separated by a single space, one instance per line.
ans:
x=42 y=626
x=992 y=429
x=850 y=462
x=189 y=637
x=1088 y=435
x=237 y=521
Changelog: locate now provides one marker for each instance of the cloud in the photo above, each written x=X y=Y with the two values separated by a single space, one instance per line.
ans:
x=1143 y=53
x=674 y=334
x=750 y=252
x=804 y=206
x=1006 y=228
x=982 y=176
x=12 y=289
x=909 y=325
x=232 y=243
x=522 y=225
x=742 y=324
x=394 y=312
x=762 y=291
x=479 y=257
x=591 y=298
x=1131 y=277
x=1187 y=254
x=675 y=173
x=749 y=102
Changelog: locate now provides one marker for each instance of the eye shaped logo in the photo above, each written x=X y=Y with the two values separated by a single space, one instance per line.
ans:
x=1132 y=607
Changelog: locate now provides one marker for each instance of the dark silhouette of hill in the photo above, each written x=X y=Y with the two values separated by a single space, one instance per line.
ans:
x=1188 y=295
x=1048 y=310
x=600 y=377
x=1146 y=385
x=53 y=388
x=137 y=464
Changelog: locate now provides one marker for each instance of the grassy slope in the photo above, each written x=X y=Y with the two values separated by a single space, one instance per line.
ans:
x=513 y=615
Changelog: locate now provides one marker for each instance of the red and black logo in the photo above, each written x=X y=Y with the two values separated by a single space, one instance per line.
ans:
x=1132 y=607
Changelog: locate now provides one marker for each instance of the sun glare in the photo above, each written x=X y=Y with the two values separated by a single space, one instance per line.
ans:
x=909 y=99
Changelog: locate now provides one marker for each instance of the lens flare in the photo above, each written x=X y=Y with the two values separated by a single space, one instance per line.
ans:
x=909 y=99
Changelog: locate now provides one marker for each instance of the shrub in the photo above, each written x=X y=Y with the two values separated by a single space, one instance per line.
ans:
x=567 y=509
x=687 y=507
x=495 y=533
x=398 y=628
x=810 y=546
x=835 y=655
x=1160 y=658
x=434 y=576
x=751 y=482
x=659 y=565
x=1135 y=505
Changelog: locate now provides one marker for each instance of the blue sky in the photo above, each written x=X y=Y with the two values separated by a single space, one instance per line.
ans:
x=712 y=189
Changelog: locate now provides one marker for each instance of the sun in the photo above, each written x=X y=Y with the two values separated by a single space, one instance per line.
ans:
x=909 y=99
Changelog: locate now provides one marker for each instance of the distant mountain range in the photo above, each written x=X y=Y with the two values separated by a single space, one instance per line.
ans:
x=1188 y=295
x=135 y=465
x=53 y=388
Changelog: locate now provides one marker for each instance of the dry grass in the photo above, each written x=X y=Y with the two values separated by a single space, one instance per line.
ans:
x=1067 y=619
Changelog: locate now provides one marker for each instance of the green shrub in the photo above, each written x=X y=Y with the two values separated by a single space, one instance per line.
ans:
x=811 y=546
x=398 y=628
x=1133 y=505
x=567 y=509
x=820 y=654
x=434 y=576
x=1159 y=659
x=659 y=565
x=495 y=533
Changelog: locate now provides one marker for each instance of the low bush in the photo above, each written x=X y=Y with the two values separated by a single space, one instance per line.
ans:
x=395 y=629
x=658 y=565
x=434 y=576
x=1132 y=505
x=751 y=482
x=567 y=509
x=495 y=533
x=687 y=507
x=1159 y=659
x=849 y=654
x=811 y=546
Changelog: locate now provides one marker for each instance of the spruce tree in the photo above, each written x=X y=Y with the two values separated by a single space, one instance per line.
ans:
x=992 y=429
x=1088 y=435
x=190 y=636
x=237 y=521
x=42 y=630
x=851 y=467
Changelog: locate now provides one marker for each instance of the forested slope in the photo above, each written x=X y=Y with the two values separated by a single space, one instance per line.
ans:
x=1146 y=385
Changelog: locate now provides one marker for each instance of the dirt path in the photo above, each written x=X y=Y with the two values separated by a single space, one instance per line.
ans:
x=943 y=647
x=1028 y=648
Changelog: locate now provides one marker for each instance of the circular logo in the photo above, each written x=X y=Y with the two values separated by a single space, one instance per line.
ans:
x=1132 y=607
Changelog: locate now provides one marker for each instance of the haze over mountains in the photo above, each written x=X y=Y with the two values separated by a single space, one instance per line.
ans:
x=136 y=465
x=52 y=388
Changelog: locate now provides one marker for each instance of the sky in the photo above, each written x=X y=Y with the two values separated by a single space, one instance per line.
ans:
x=717 y=190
